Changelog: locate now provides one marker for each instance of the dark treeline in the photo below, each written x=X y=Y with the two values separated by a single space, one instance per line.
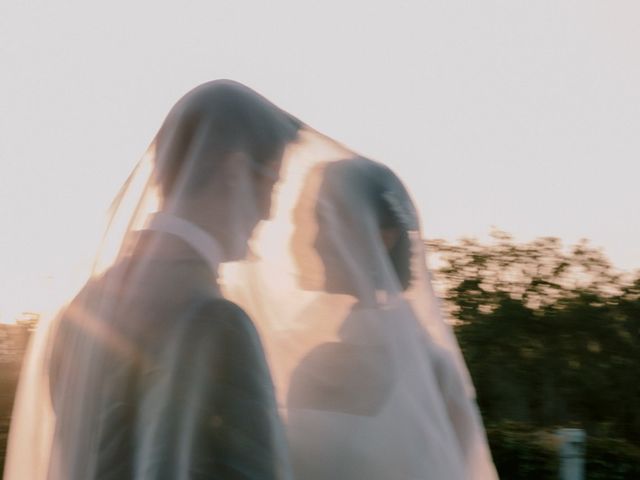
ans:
x=13 y=342
x=550 y=336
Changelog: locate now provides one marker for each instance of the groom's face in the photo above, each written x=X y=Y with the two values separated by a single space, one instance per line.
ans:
x=246 y=200
x=265 y=175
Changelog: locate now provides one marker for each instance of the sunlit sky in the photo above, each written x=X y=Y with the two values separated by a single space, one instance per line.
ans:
x=516 y=114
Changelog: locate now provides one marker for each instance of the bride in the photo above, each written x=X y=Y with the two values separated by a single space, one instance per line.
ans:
x=370 y=381
x=381 y=400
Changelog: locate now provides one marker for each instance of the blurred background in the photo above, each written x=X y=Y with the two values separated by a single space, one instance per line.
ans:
x=511 y=114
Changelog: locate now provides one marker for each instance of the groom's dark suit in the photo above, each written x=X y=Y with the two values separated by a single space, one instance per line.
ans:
x=174 y=384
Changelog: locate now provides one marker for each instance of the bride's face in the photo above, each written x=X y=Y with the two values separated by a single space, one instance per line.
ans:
x=335 y=245
x=324 y=242
x=307 y=260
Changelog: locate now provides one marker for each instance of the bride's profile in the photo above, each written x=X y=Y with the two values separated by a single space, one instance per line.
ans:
x=382 y=400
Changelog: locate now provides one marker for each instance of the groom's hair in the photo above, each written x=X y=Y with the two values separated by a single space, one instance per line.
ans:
x=212 y=121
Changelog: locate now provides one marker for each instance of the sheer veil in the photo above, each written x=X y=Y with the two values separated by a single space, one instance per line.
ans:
x=247 y=243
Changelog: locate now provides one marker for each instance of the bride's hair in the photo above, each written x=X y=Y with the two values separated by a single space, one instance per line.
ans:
x=371 y=186
x=212 y=121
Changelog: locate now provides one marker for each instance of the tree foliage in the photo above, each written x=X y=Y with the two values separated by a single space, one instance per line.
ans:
x=550 y=334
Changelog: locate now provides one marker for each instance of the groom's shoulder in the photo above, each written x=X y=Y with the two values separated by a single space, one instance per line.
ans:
x=221 y=316
x=221 y=307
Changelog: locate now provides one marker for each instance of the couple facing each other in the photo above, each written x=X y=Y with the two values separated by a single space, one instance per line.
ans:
x=152 y=372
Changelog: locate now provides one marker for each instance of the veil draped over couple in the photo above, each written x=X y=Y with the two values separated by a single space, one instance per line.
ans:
x=260 y=308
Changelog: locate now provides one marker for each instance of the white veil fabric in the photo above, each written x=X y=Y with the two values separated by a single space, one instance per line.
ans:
x=260 y=308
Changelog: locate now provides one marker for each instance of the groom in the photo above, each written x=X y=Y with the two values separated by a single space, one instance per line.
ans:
x=173 y=382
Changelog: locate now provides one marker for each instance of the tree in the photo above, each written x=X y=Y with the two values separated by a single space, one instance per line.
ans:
x=550 y=335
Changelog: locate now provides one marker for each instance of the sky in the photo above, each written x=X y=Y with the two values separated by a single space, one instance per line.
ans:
x=513 y=114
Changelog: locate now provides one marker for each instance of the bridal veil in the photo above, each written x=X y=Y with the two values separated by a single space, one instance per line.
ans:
x=350 y=369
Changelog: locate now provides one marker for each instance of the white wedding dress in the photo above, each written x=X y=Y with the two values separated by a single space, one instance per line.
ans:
x=388 y=443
